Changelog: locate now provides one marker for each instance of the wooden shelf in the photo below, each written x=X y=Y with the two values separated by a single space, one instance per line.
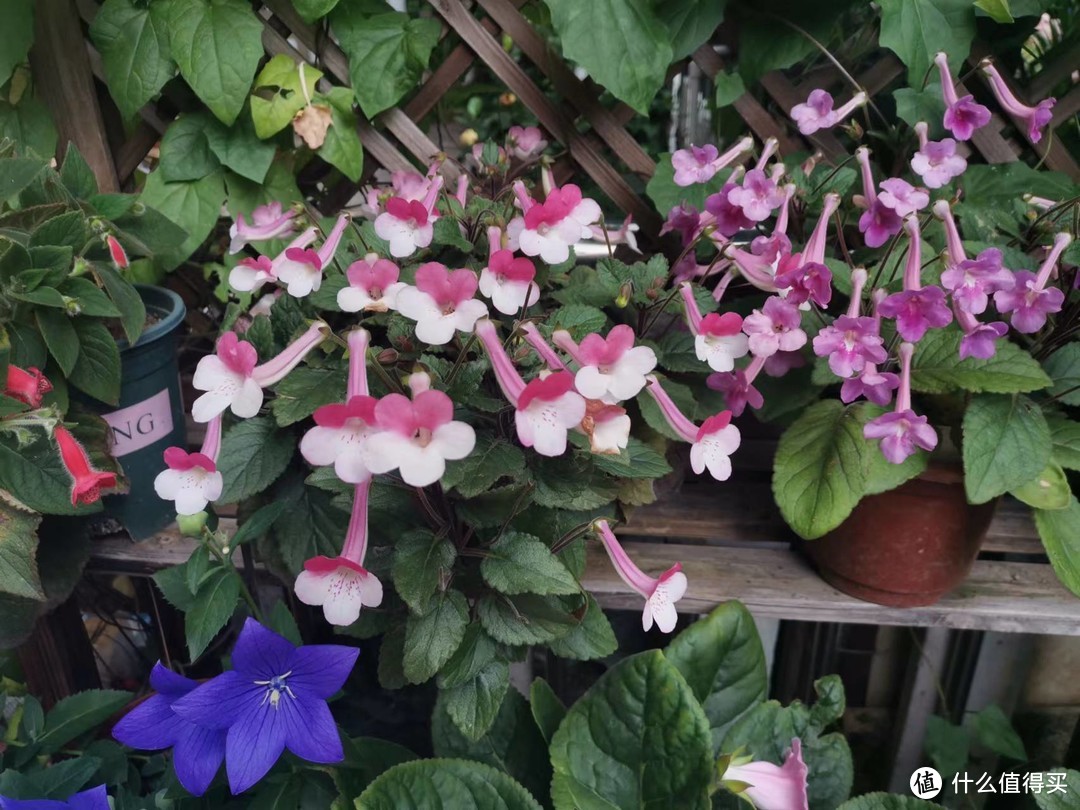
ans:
x=734 y=545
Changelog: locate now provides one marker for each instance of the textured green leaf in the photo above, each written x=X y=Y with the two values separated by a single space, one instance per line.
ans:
x=97 y=371
x=590 y=640
x=521 y=563
x=213 y=606
x=525 y=619
x=431 y=639
x=722 y=659
x=258 y=523
x=1063 y=366
x=1064 y=440
x=422 y=563
x=16 y=36
x=311 y=525
x=937 y=367
x=239 y=148
x=195 y=206
x=926 y=105
x=947 y=746
x=636 y=460
x=1059 y=530
x=75 y=715
x=473 y=705
x=387 y=53
x=489 y=461
x=18 y=553
x=571 y=482
x=133 y=39
x=127 y=300
x=690 y=23
x=475 y=652
x=1048 y=490
x=218 y=46
x=185 y=149
x=547 y=710
x=1058 y=799
x=253 y=454
x=89 y=297
x=60 y=336
x=342 y=147
x=279 y=94
x=637 y=739
x=305 y=390
x=917 y=31
x=994 y=730
x=442 y=784
x=36 y=474
x=67 y=229
x=365 y=759
x=1006 y=444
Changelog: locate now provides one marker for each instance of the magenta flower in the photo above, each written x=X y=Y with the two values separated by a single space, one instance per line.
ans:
x=192 y=480
x=878 y=223
x=718 y=339
x=779 y=364
x=610 y=369
x=902 y=430
x=441 y=303
x=660 y=594
x=526 y=142
x=373 y=285
x=808 y=281
x=152 y=725
x=711 y=445
x=758 y=196
x=876 y=386
x=738 y=386
x=962 y=115
x=1032 y=119
x=936 y=162
x=409 y=224
x=902 y=197
x=771 y=787
x=980 y=339
x=508 y=281
x=817 y=111
x=850 y=343
x=917 y=308
x=267 y=222
x=684 y=220
x=549 y=229
x=727 y=217
x=274 y=698
x=774 y=328
x=699 y=164
x=1031 y=301
x=302 y=269
x=973 y=280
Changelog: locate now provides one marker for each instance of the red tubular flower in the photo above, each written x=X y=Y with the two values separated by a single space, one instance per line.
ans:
x=87 y=482
x=116 y=252
x=26 y=385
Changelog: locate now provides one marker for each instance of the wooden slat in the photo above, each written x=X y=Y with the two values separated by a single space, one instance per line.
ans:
x=1006 y=597
x=1060 y=68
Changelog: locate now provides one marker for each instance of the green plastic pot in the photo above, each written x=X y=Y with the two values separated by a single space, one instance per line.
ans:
x=148 y=418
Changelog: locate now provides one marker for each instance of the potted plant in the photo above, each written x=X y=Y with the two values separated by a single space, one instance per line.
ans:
x=920 y=364
x=65 y=309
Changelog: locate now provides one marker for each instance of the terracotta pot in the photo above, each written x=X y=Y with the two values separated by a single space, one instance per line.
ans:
x=906 y=547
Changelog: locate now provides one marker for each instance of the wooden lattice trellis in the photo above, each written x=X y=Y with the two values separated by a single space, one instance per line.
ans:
x=594 y=135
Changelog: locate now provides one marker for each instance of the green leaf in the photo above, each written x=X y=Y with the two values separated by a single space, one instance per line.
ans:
x=491 y=460
x=636 y=460
x=240 y=149
x=474 y=704
x=127 y=300
x=311 y=525
x=64 y=778
x=1064 y=440
x=887 y=801
x=937 y=367
x=521 y=563
x=18 y=552
x=91 y=300
x=342 y=147
x=36 y=474
x=917 y=31
x=513 y=743
x=590 y=640
x=622 y=44
x=253 y=454
x=16 y=174
x=722 y=659
x=305 y=390
x=195 y=206
x=311 y=10
x=218 y=46
x=258 y=523
x=997 y=10
x=547 y=710
x=926 y=105
x=67 y=229
x=16 y=36
x=281 y=621
x=729 y=88
x=278 y=94
x=947 y=746
x=387 y=53
x=213 y=606
x=571 y=482
x=525 y=619
x=690 y=23
x=437 y=784
x=1057 y=530
x=1006 y=444
x=476 y=651
x=75 y=715
x=1059 y=799
x=994 y=731
x=1063 y=366
x=1048 y=490
x=365 y=759
x=422 y=564
x=431 y=639
x=185 y=149
x=637 y=739
x=60 y=336
x=133 y=40
x=97 y=371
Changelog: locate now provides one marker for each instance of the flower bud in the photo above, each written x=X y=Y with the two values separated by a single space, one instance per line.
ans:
x=192 y=525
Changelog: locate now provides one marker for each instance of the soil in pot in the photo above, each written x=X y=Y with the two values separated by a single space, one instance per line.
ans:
x=906 y=547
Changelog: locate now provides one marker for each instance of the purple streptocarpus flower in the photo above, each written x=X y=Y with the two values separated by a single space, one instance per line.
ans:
x=917 y=308
x=1031 y=301
x=192 y=480
x=302 y=270
x=711 y=445
x=876 y=386
x=758 y=196
x=1042 y=203
x=817 y=111
x=684 y=220
x=267 y=222
x=699 y=164
x=774 y=328
x=725 y=218
x=781 y=363
x=718 y=339
x=93 y=799
x=198 y=750
x=851 y=341
x=805 y=281
x=1032 y=119
x=954 y=246
x=980 y=339
x=878 y=222
x=738 y=386
x=902 y=197
x=902 y=430
x=274 y=698
x=962 y=115
x=973 y=280
x=936 y=162
x=768 y=786
x=660 y=594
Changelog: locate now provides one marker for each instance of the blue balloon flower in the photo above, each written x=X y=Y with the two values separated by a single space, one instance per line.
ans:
x=93 y=799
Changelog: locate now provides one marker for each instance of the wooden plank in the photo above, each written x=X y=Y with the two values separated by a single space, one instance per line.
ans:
x=58 y=659
x=1006 y=597
x=65 y=81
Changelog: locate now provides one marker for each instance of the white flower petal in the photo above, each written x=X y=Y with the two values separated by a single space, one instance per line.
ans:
x=453 y=441
x=247 y=401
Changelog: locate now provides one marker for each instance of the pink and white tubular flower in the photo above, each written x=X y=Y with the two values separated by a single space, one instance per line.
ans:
x=660 y=594
x=192 y=480
x=341 y=585
x=1032 y=119
x=549 y=229
x=417 y=437
x=768 y=786
x=623 y=236
x=607 y=426
x=441 y=303
x=526 y=142
x=231 y=379
x=373 y=285
x=302 y=270
x=251 y=274
x=546 y=409
x=267 y=222
x=962 y=115
x=1031 y=301
x=409 y=225
x=879 y=222
x=711 y=445
x=342 y=429
x=902 y=197
x=936 y=162
x=506 y=280
x=774 y=328
x=902 y=430
x=718 y=338
x=817 y=111
x=758 y=196
x=610 y=369
x=699 y=164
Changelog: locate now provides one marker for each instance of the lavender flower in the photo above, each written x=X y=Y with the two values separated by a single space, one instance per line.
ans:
x=962 y=115
x=774 y=328
x=879 y=222
x=917 y=308
x=1031 y=301
x=936 y=162
x=973 y=280
x=1033 y=119
x=851 y=341
x=902 y=430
